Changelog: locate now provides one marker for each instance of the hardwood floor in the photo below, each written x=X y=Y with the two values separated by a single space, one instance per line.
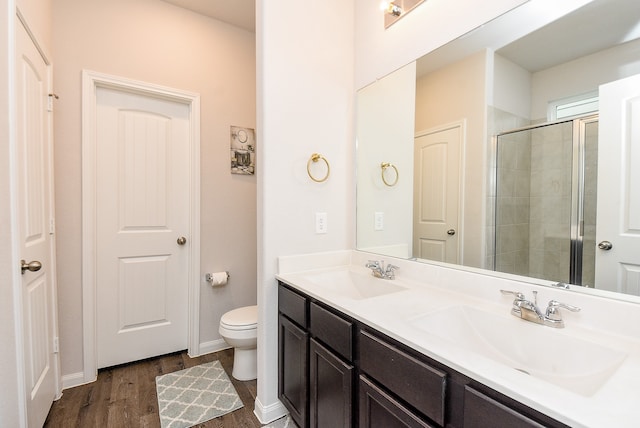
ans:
x=125 y=396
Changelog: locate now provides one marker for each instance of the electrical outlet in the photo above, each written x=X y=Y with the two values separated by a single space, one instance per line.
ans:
x=321 y=222
x=378 y=220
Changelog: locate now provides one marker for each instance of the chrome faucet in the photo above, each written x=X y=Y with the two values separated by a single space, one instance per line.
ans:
x=379 y=271
x=529 y=311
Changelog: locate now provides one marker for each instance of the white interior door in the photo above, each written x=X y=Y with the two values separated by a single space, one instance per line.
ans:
x=618 y=218
x=437 y=194
x=142 y=224
x=36 y=227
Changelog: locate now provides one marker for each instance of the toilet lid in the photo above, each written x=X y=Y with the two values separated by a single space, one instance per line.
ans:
x=241 y=318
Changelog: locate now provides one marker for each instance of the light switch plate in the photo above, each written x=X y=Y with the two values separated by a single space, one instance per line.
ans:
x=378 y=221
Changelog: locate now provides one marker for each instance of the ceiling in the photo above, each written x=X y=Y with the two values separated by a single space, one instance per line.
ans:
x=596 y=26
x=241 y=13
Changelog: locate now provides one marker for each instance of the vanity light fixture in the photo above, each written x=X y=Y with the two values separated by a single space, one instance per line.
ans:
x=396 y=9
x=391 y=8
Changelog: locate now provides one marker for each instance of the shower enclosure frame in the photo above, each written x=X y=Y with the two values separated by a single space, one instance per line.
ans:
x=579 y=125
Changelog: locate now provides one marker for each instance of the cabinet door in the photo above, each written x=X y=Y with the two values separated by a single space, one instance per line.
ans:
x=331 y=385
x=293 y=379
x=379 y=410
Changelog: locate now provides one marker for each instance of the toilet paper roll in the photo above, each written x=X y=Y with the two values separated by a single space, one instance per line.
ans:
x=217 y=278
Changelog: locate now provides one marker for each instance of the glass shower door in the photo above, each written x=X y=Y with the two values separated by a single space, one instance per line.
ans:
x=545 y=201
x=585 y=272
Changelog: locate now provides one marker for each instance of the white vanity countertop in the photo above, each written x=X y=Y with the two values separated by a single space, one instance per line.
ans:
x=432 y=289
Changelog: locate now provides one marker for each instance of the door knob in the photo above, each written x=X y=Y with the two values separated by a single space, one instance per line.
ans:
x=33 y=266
x=451 y=232
x=182 y=240
x=605 y=245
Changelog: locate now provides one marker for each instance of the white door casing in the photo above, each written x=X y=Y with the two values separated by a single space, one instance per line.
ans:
x=618 y=214
x=36 y=227
x=138 y=282
x=437 y=194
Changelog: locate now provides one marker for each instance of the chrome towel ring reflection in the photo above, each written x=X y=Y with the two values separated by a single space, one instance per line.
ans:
x=315 y=158
x=385 y=166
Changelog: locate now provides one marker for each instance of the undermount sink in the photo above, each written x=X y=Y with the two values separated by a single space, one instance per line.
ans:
x=541 y=352
x=352 y=285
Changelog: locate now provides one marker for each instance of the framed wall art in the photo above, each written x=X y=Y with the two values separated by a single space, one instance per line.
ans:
x=243 y=150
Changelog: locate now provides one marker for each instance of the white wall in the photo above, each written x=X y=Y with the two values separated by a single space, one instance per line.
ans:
x=511 y=88
x=305 y=105
x=156 y=42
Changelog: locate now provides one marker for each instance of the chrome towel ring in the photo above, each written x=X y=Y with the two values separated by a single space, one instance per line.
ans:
x=315 y=158
x=385 y=166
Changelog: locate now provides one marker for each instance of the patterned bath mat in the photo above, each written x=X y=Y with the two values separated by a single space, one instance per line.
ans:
x=198 y=394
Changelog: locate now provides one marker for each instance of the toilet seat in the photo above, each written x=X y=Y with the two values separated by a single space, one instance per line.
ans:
x=245 y=318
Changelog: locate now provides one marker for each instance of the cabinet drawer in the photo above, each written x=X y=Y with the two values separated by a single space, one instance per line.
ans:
x=484 y=406
x=414 y=381
x=332 y=330
x=481 y=411
x=293 y=305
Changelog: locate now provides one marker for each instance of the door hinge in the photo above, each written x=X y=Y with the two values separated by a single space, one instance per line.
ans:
x=50 y=101
x=52 y=226
x=56 y=345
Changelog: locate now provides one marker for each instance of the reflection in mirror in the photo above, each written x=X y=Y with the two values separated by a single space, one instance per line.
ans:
x=504 y=178
x=545 y=218
x=396 y=9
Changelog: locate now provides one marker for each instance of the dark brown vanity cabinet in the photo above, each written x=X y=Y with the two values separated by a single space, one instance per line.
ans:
x=316 y=373
x=293 y=355
x=338 y=372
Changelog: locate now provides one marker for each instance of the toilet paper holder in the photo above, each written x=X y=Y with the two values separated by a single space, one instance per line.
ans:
x=209 y=277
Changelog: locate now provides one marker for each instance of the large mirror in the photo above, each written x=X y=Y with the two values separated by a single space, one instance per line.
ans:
x=484 y=153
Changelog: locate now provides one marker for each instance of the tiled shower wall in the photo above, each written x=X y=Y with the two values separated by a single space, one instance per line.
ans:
x=512 y=204
x=512 y=249
x=550 y=210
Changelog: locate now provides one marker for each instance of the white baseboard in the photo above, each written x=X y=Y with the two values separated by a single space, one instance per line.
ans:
x=73 y=379
x=269 y=413
x=212 y=346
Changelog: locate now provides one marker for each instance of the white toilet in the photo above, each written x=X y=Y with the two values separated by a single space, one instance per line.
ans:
x=239 y=328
